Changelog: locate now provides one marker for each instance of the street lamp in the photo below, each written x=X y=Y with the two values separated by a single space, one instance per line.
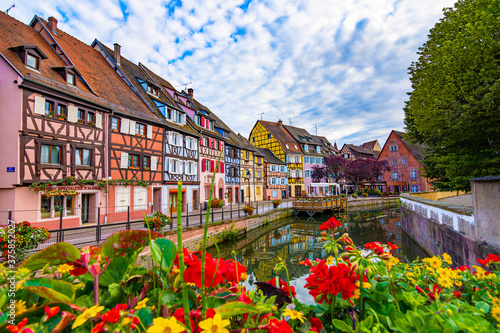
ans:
x=247 y=177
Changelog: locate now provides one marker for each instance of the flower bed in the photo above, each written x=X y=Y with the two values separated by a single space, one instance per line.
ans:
x=26 y=238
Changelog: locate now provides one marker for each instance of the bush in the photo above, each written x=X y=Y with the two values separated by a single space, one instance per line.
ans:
x=365 y=195
x=248 y=209
x=276 y=202
x=26 y=238
x=355 y=196
x=227 y=234
x=156 y=221
x=217 y=203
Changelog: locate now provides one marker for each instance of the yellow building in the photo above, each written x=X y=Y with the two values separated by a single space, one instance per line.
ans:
x=275 y=137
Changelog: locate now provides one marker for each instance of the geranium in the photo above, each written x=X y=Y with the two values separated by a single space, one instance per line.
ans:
x=214 y=325
x=392 y=246
x=330 y=224
x=112 y=316
x=278 y=326
x=18 y=328
x=231 y=268
x=214 y=270
x=101 y=327
x=316 y=325
x=161 y=325
x=283 y=286
x=325 y=282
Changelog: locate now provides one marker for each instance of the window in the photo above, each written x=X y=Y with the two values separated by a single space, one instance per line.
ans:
x=393 y=148
x=274 y=194
x=140 y=129
x=51 y=154
x=295 y=146
x=81 y=116
x=394 y=162
x=414 y=188
x=115 y=124
x=247 y=155
x=259 y=174
x=82 y=156
x=122 y=198
x=51 y=207
x=269 y=136
x=146 y=162
x=308 y=173
x=62 y=110
x=258 y=190
x=197 y=120
x=207 y=165
x=346 y=156
x=297 y=159
x=70 y=205
x=253 y=139
x=287 y=159
x=297 y=173
x=283 y=168
x=45 y=206
x=91 y=118
x=413 y=174
x=395 y=175
x=318 y=149
x=287 y=146
x=133 y=161
x=306 y=147
x=32 y=61
x=153 y=91
x=49 y=108
x=403 y=161
x=380 y=177
x=70 y=79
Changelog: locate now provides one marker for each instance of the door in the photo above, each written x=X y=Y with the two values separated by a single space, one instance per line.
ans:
x=283 y=194
x=243 y=196
x=195 y=199
x=157 y=199
x=173 y=202
x=236 y=195
x=221 y=194
x=298 y=191
x=289 y=191
x=230 y=195
x=85 y=208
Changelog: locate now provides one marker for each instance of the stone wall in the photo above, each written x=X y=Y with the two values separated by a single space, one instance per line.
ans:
x=369 y=201
x=486 y=203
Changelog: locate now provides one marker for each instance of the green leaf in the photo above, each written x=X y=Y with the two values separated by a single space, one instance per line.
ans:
x=146 y=316
x=215 y=302
x=55 y=255
x=342 y=326
x=52 y=290
x=165 y=248
x=236 y=308
x=169 y=298
x=123 y=242
x=85 y=301
x=113 y=295
x=485 y=307
x=368 y=322
x=115 y=271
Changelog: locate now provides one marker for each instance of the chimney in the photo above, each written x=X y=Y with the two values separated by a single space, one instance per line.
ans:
x=117 y=53
x=52 y=23
x=190 y=92
x=280 y=123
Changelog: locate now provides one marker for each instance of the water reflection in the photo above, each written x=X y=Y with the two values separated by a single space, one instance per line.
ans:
x=296 y=239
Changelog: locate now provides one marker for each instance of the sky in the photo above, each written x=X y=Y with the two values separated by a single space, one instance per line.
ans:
x=338 y=68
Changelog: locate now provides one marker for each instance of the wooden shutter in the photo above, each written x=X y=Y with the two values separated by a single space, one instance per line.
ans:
x=222 y=167
x=149 y=133
x=203 y=165
x=202 y=122
x=39 y=105
x=124 y=161
x=166 y=161
x=154 y=163
x=132 y=127
x=125 y=125
x=201 y=141
x=180 y=141
x=212 y=165
x=73 y=114
x=98 y=120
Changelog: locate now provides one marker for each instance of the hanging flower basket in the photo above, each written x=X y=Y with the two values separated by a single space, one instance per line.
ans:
x=248 y=209
x=217 y=203
x=156 y=221
x=276 y=203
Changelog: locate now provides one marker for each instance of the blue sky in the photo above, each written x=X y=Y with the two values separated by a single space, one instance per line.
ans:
x=339 y=64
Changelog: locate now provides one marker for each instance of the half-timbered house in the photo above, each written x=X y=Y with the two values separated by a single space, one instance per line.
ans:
x=275 y=176
x=275 y=137
x=134 y=137
x=52 y=131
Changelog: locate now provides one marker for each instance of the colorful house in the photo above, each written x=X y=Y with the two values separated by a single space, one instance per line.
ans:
x=353 y=152
x=275 y=137
x=405 y=159
x=252 y=172
x=275 y=176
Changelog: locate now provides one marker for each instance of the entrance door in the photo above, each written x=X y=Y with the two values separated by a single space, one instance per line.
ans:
x=85 y=208
x=230 y=195
x=283 y=194
x=157 y=199
x=289 y=191
x=243 y=196
x=195 y=199
x=173 y=202
x=236 y=195
x=221 y=194
x=298 y=191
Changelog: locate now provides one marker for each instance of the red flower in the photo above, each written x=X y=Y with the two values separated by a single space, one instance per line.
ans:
x=464 y=268
x=457 y=294
x=419 y=290
x=283 y=286
x=78 y=269
x=279 y=326
x=230 y=273
x=112 y=316
x=17 y=328
x=121 y=307
x=245 y=299
x=51 y=312
x=316 y=325
x=392 y=246
x=214 y=269
x=135 y=323
x=483 y=262
x=331 y=224
x=179 y=315
x=99 y=327
x=331 y=280
x=376 y=247
x=493 y=257
x=306 y=262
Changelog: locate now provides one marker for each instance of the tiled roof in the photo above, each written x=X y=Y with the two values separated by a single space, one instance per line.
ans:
x=246 y=145
x=356 y=150
x=417 y=150
x=304 y=138
x=324 y=141
x=282 y=135
x=101 y=77
x=14 y=34
x=269 y=157
x=370 y=144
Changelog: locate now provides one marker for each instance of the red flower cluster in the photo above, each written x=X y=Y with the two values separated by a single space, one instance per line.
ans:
x=278 y=326
x=283 y=286
x=434 y=293
x=331 y=224
x=316 y=325
x=490 y=258
x=216 y=270
x=331 y=280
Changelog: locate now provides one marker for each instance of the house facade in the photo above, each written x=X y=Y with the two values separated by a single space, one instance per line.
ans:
x=247 y=170
x=404 y=159
x=275 y=176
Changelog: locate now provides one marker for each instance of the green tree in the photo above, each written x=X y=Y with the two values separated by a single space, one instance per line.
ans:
x=454 y=106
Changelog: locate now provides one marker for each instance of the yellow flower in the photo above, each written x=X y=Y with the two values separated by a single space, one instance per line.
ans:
x=64 y=268
x=433 y=262
x=20 y=306
x=496 y=301
x=168 y=325
x=447 y=258
x=356 y=293
x=243 y=276
x=274 y=308
x=126 y=321
x=391 y=262
x=366 y=285
x=214 y=325
x=141 y=304
x=481 y=273
x=330 y=260
x=23 y=271
x=495 y=312
x=86 y=315
x=294 y=314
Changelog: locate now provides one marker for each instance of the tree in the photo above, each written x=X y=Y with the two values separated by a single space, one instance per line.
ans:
x=374 y=169
x=357 y=170
x=454 y=106
x=334 y=168
x=318 y=173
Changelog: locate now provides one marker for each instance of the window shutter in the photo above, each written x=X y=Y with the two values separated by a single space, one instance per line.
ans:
x=166 y=162
x=202 y=122
x=149 y=133
x=201 y=141
x=179 y=143
x=124 y=161
x=98 y=120
x=39 y=105
x=222 y=167
x=220 y=145
x=73 y=114
x=132 y=127
x=154 y=162
x=125 y=125
x=212 y=166
x=203 y=165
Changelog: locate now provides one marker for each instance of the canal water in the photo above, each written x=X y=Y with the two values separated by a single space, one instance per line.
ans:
x=294 y=239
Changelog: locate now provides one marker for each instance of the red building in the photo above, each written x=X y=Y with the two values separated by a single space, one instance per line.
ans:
x=404 y=159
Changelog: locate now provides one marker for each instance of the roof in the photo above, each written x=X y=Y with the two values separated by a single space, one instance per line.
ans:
x=246 y=145
x=14 y=34
x=417 y=150
x=370 y=145
x=283 y=136
x=356 y=150
x=269 y=157
x=101 y=77
x=324 y=141
x=304 y=138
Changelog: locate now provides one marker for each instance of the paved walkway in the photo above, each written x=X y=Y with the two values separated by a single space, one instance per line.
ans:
x=462 y=200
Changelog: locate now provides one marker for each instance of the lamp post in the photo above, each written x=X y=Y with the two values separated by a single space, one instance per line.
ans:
x=247 y=177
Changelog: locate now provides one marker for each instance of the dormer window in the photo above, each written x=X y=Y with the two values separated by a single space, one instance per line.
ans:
x=30 y=55
x=306 y=147
x=70 y=79
x=153 y=90
x=295 y=146
x=318 y=149
x=32 y=62
x=68 y=73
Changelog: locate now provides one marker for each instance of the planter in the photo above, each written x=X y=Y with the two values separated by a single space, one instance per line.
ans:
x=275 y=206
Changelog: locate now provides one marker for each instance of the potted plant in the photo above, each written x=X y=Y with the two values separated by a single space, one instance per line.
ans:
x=90 y=123
x=217 y=203
x=276 y=203
x=248 y=209
x=365 y=195
x=61 y=116
x=355 y=196
x=156 y=221
x=26 y=238
x=81 y=121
